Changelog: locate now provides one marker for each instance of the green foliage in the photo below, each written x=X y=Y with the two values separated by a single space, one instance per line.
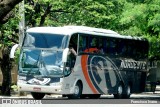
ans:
x=14 y=87
x=17 y=53
x=93 y=13
x=9 y=30
x=131 y=18
x=128 y=17
x=76 y=12
x=154 y=46
x=143 y=19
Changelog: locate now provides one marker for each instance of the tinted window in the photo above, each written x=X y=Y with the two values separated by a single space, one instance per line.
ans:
x=119 y=47
x=73 y=41
x=83 y=43
x=39 y=40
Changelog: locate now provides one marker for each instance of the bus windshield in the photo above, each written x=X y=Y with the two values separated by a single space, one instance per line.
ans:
x=42 y=54
x=41 y=62
x=42 y=40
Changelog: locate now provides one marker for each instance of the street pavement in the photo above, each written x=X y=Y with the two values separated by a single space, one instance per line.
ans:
x=154 y=95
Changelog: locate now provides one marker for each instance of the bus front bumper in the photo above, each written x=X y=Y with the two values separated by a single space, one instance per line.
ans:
x=40 y=88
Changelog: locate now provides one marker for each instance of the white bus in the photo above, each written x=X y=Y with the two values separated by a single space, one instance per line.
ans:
x=81 y=62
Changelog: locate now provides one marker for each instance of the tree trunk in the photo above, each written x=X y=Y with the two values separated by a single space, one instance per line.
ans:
x=6 y=6
x=6 y=71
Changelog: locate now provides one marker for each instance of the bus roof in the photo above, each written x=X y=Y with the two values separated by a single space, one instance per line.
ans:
x=69 y=30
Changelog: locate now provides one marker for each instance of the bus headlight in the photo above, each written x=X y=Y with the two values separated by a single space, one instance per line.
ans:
x=22 y=81
x=56 y=84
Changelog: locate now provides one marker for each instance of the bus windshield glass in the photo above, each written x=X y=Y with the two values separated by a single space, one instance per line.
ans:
x=41 y=40
x=42 y=54
x=41 y=62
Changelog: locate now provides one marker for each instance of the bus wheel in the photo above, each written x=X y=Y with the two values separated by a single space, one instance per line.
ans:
x=119 y=93
x=37 y=96
x=77 y=92
x=127 y=92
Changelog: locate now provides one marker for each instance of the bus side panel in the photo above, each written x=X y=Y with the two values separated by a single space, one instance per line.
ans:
x=135 y=75
x=138 y=84
x=76 y=74
x=99 y=73
x=102 y=75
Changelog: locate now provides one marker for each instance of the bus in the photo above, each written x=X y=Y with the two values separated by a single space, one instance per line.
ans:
x=81 y=62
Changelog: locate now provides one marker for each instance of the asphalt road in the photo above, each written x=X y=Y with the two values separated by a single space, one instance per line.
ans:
x=143 y=98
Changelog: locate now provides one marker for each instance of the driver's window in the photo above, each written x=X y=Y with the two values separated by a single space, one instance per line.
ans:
x=72 y=52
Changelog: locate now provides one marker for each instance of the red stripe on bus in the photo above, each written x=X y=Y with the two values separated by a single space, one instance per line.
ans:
x=85 y=73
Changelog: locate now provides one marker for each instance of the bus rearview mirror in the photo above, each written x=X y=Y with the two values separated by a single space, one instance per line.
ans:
x=65 y=54
x=13 y=50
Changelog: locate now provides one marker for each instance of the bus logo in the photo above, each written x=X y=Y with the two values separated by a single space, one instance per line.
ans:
x=133 y=64
x=102 y=73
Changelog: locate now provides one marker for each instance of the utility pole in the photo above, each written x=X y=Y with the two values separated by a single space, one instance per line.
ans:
x=22 y=22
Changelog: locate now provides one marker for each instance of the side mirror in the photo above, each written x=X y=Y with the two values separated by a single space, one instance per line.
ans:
x=65 y=54
x=12 y=52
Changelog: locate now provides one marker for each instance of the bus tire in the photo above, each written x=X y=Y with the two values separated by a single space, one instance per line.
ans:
x=119 y=93
x=153 y=86
x=77 y=91
x=37 y=96
x=127 y=92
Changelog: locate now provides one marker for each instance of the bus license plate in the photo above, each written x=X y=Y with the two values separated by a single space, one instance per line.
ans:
x=37 y=89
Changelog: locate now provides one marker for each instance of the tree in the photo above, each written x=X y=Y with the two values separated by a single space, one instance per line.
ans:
x=95 y=13
x=6 y=71
x=142 y=18
x=53 y=13
x=7 y=29
x=5 y=9
x=128 y=17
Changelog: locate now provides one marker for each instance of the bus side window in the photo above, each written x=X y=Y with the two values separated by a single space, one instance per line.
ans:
x=140 y=50
x=124 y=51
x=122 y=48
x=101 y=46
x=106 y=46
x=82 y=43
x=129 y=49
x=113 y=46
x=72 y=51
x=73 y=43
x=93 y=44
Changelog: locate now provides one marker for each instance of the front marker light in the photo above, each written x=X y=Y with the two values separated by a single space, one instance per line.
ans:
x=55 y=84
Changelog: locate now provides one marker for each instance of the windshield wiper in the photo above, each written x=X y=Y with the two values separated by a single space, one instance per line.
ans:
x=43 y=72
x=41 y=64
x=35 y=64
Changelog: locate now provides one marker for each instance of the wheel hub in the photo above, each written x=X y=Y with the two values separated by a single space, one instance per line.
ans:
x=76 y=90
x=120 y=90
